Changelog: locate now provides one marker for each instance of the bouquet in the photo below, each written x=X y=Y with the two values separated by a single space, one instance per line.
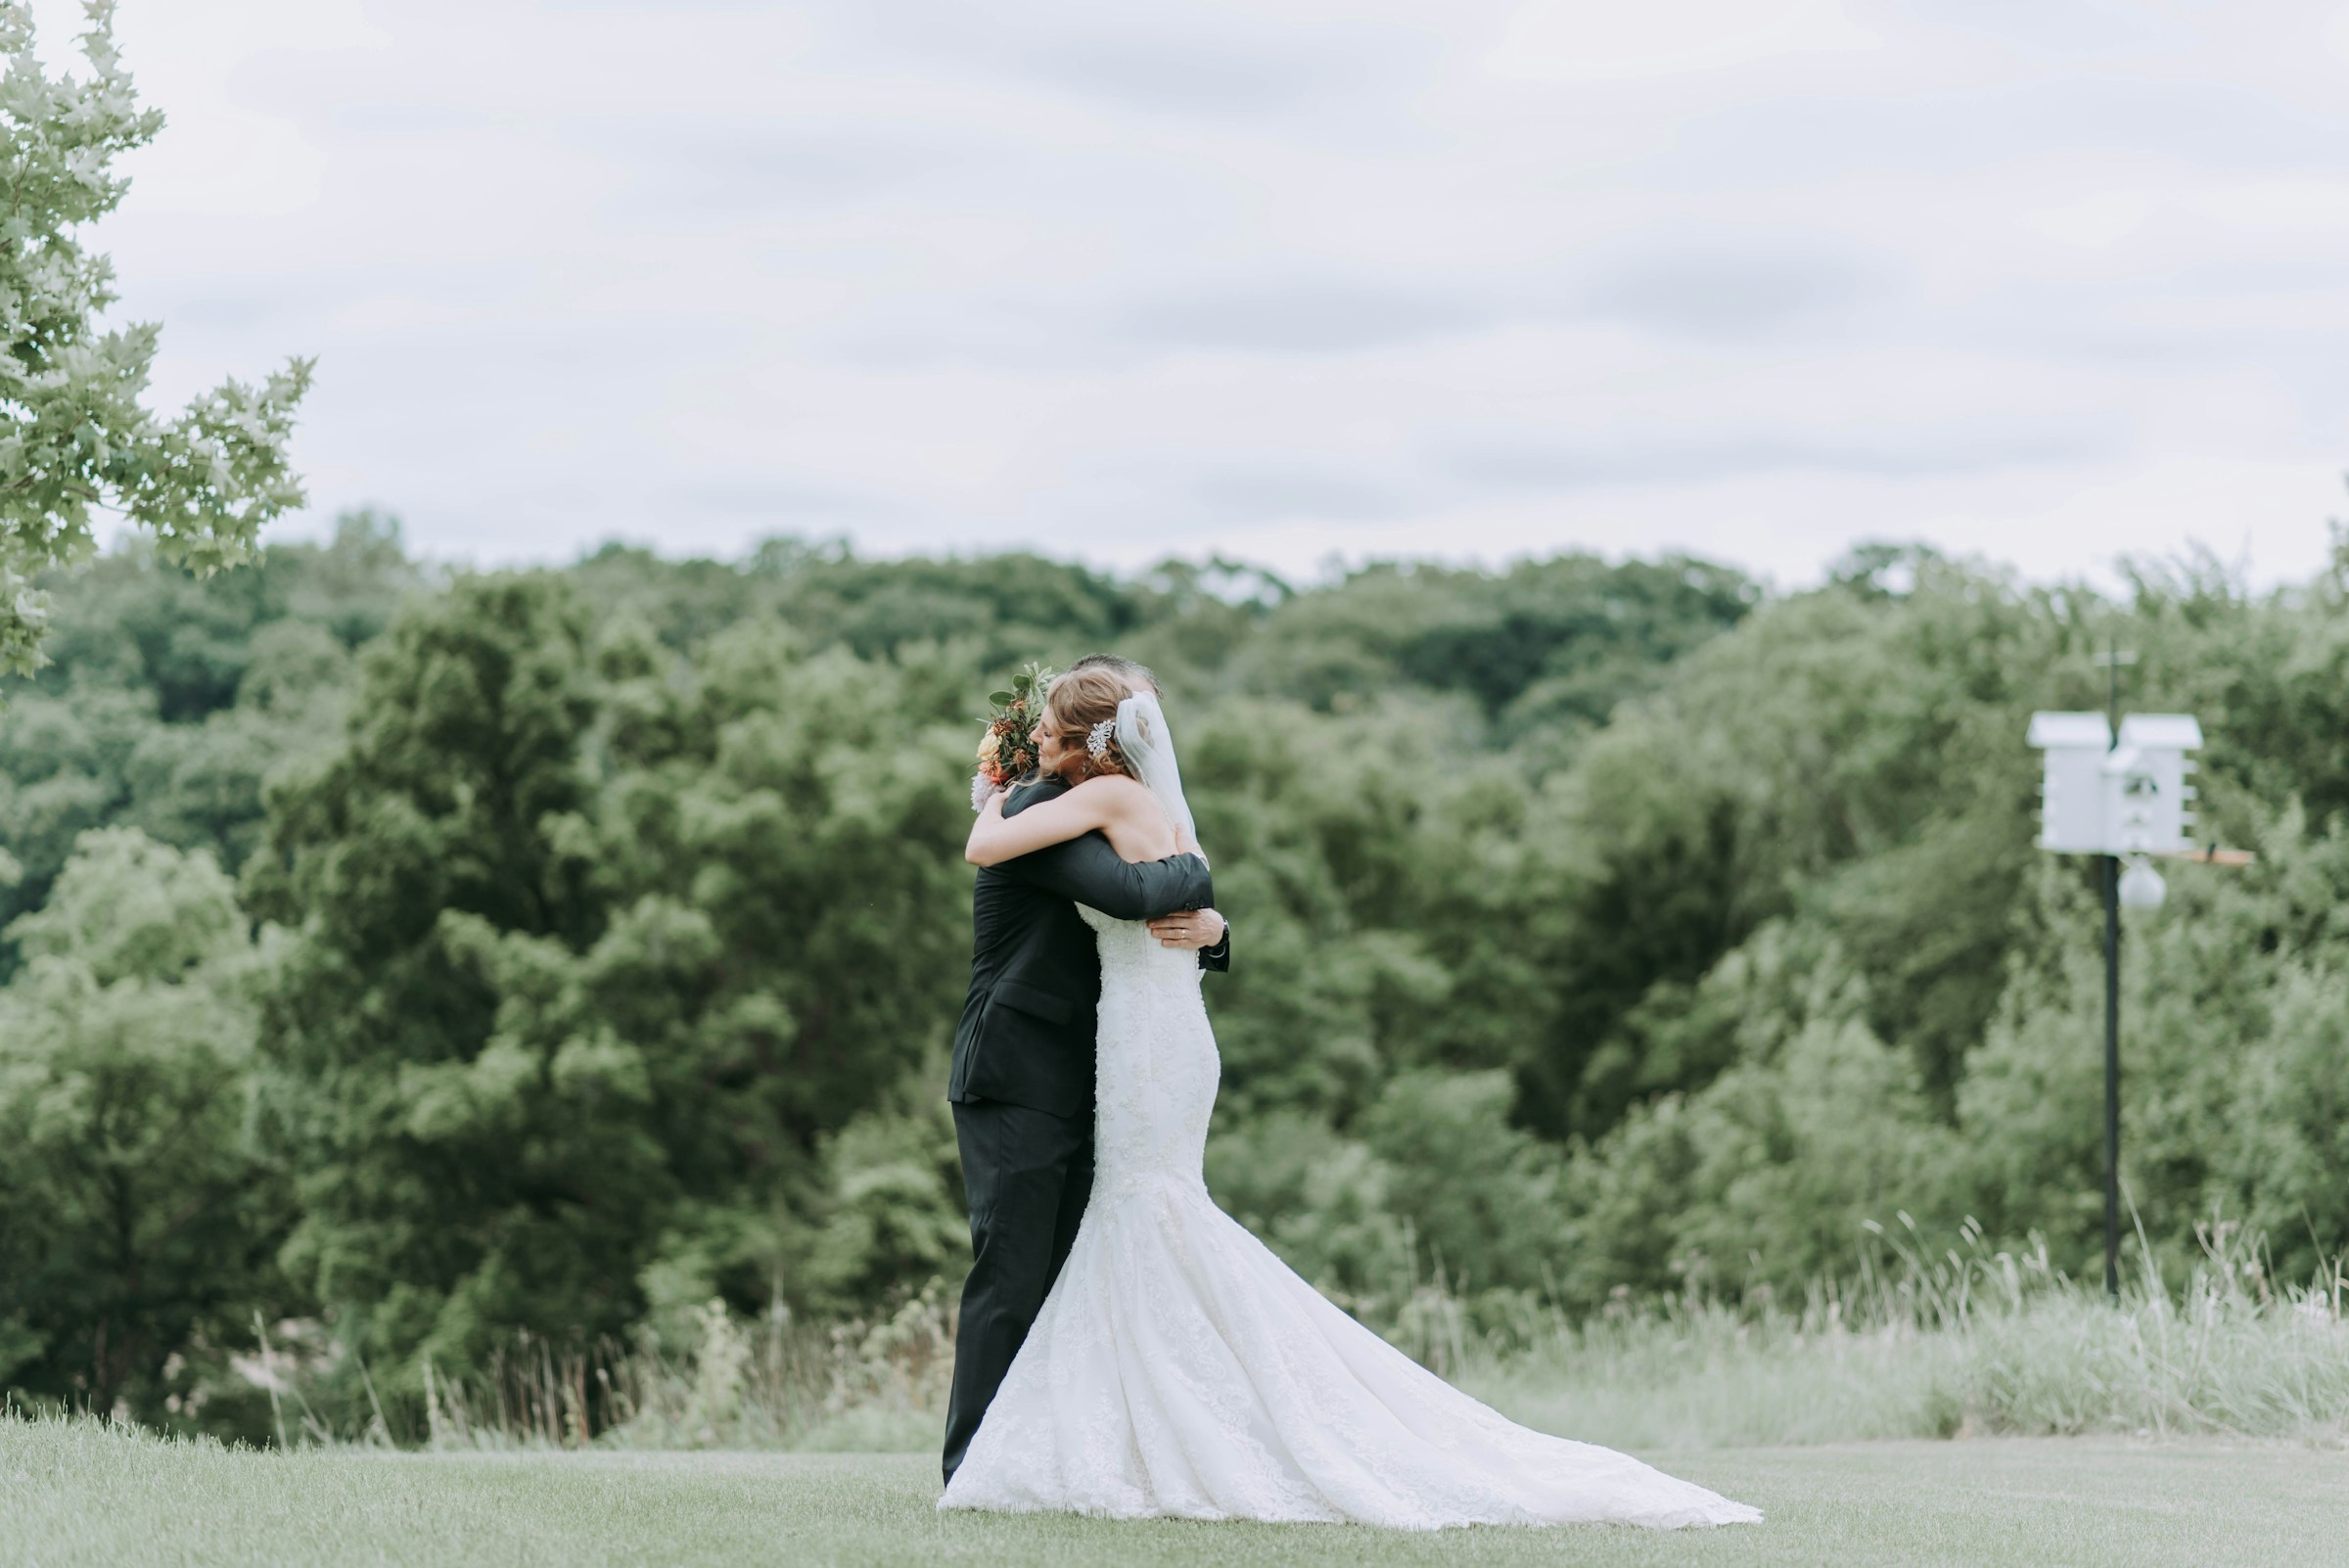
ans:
x=1005 y=753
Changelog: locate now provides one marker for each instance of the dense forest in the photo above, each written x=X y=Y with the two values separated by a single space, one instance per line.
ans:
x=426 y=957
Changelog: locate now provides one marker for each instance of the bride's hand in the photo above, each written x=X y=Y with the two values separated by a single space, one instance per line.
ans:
x=1190 y=928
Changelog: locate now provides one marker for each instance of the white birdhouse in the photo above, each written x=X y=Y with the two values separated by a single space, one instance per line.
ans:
x=2129 y=799
x=2071 y=815
x=2145 y=784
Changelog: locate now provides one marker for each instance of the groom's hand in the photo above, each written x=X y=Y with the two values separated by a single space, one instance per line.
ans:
x=1188 y=927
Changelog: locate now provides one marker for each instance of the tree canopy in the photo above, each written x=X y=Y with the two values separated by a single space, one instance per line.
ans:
x=74 y=434
x=595 y=935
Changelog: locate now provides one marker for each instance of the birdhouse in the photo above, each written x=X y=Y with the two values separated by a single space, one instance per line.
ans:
x=2071 y=813
x=2144 y=788
x=2101 y=798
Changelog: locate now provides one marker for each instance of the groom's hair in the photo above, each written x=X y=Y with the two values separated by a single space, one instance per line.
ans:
x=1137 y=677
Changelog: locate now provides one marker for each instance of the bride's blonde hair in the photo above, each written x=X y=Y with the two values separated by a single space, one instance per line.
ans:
x=1078 y=703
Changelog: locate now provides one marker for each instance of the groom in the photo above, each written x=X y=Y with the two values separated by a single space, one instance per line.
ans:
x=1022 y=1081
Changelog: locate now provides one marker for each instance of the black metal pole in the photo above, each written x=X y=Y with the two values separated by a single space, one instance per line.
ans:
x=2113 y=1076
x=2112 y=1012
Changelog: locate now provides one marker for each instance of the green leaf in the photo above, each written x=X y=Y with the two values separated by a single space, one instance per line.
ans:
x=1001 y=698
x=204 y=484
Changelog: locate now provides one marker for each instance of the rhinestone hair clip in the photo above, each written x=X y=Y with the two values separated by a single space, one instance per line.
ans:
x=1097 y=742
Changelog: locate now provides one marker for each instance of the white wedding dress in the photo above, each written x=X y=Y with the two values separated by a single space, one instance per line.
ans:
x=1179 y=1369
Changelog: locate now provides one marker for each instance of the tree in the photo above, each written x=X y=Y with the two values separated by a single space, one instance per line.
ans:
x=419 y=867
x=168 y=701
x=596 y=951
x=73 y=435
x=140 y=1220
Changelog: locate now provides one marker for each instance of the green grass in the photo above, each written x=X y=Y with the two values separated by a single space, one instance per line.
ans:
x=76 y=1493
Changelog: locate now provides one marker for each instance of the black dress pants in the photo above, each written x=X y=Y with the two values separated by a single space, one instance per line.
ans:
x=1028 y=1173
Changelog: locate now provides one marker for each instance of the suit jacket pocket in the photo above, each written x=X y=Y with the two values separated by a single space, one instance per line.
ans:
x=1036 y=1003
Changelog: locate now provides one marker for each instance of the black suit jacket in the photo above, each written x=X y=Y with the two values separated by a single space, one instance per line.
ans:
x=1027 y=1031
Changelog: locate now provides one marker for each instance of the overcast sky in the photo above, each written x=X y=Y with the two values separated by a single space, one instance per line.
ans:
x=2042 y=280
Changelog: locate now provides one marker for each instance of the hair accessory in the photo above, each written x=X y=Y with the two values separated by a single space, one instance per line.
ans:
x=1097 y=742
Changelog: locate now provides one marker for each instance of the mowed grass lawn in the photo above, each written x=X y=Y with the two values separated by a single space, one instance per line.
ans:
x=83 y=1495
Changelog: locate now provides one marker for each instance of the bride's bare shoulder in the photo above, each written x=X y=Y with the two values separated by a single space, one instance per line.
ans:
x=1113 y=792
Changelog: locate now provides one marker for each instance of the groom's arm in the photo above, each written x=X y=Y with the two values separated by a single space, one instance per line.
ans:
x=1087 y=870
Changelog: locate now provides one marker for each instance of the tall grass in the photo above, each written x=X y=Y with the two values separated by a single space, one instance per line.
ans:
x=1963 y=1342
x=1914 y=1343
x=876 y=1384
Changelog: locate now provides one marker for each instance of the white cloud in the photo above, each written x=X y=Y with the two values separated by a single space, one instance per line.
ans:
x=1594 y=41
x=2048 y=281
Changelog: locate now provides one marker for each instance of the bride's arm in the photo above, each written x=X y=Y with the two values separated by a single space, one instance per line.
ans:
x=996 y=838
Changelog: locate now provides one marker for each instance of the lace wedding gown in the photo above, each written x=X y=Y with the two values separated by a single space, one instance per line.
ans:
x=1179 y=1369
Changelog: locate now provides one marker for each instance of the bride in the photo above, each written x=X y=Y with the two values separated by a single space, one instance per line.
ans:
x=1179 y=1367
